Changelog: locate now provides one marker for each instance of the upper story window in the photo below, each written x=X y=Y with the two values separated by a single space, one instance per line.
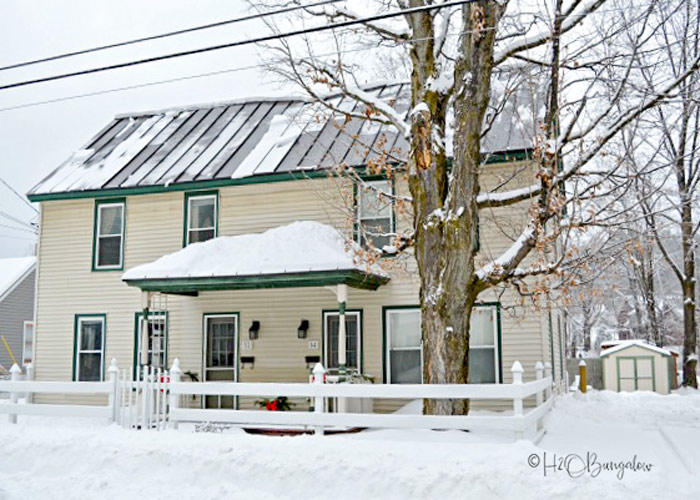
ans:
x=201 y=215
x=109 y=235
x=375 y=214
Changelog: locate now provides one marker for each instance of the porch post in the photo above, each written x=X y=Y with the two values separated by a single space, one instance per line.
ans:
x=342 y=335
x=143 y=341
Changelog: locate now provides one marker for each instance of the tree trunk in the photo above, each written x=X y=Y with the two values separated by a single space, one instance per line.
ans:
x=689 y=321
x=445 y=213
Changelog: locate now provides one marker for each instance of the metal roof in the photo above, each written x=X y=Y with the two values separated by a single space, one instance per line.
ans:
x=235 y=140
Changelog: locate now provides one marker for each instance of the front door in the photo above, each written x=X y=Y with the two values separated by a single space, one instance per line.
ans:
x=220 y=355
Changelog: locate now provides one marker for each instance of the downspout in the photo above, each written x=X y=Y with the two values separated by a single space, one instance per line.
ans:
x=342 y=334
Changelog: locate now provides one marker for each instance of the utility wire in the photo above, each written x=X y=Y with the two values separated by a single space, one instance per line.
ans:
x=16 y=220
x=18 y=195
x=18 y=229
x=196 y=76
x=170 y=33
x=278 y=36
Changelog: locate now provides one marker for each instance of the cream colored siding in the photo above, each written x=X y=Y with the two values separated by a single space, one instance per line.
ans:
x=154 y=227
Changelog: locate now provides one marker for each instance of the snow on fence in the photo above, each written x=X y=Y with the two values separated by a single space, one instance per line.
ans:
x=151 y=400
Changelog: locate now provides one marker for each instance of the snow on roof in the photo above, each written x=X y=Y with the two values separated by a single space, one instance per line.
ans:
x=253 y=137
x=12 y=270
x=301 y=246
x=619 y=345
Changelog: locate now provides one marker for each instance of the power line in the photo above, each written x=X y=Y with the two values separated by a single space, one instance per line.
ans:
x=17 y=228
x=18 y=195
x=15 y=220
x=193 y=77
x=170 y=33
x=279 y=36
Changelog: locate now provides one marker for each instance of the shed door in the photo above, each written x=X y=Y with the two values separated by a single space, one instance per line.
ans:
x=635 y=373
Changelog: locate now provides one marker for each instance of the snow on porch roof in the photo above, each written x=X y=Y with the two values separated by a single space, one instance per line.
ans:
x=303 y=253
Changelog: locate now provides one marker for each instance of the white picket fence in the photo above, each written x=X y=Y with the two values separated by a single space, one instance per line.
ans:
x=152 y=400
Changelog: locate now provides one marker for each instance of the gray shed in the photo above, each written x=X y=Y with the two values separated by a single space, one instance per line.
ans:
x=17 y=281
x=635 y=365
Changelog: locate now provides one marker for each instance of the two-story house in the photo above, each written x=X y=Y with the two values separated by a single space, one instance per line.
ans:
x=214 y=221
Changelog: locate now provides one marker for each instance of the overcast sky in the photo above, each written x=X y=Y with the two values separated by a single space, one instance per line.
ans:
x=35 y=140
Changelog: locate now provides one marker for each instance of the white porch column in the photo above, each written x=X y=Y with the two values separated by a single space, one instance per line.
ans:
x=342 y=335
x=143 y=341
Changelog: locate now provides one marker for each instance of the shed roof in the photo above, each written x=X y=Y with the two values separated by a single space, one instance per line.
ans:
x=625 y=344
x=12 y=271
x=243 y=139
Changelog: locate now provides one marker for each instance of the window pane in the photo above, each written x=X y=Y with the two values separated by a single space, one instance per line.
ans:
x=332 y=324
x=405 y=367
x=28 y=348
x=198 y=236
x=404 y=328
x=89 y=366
x=376 y=232
x=372 y=203
x=221 y=347
x=111 y=219
x=91 y=335
x=482 y=331
x=156 y=342
x=202 y=212
x=482 y=367
x=109 y=251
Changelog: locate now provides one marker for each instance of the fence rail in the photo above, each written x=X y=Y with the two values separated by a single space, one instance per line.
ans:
x=151 y=400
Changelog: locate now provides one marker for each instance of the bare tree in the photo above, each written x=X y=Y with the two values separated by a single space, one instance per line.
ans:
x=456 y=54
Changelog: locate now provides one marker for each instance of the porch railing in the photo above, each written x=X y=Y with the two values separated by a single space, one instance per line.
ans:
x=151 y=400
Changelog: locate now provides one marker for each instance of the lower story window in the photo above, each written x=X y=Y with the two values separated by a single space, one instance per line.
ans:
x=89 y=348
x=353 y=339
x=152 y=345
x=28 y=343
x=404 y=349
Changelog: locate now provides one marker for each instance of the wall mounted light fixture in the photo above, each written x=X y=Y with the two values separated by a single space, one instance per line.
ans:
x=254 y=330
x=303 y=329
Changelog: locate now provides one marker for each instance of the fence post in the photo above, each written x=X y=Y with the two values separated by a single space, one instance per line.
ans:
x=14 y=395
x=319 y=378
x=582 y=376
x=539 y=375
x=548 y=374
x=175 y=373
x=113 y=377
x=29 y=395
x=517 y=371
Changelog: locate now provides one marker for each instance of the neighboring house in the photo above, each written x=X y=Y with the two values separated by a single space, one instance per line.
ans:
x=17 y=283
x=247 y=309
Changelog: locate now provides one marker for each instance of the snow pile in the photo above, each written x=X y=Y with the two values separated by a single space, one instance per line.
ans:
x=84 y=459
x=12 y=270
x=610 y=347
x=298 y=247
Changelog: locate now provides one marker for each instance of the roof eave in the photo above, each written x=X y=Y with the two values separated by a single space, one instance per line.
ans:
x=354 y=278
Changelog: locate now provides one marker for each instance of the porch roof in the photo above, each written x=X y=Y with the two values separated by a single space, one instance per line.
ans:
x=296 y=255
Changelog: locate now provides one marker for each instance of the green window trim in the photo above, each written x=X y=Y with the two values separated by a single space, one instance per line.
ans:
x=76 y=326
x=360 y=339
x=95 y=229
x=636 y=378
x=498 y=344
x=186 y=219
x=137 y=319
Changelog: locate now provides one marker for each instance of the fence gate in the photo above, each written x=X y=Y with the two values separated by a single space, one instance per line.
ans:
x=143 y=399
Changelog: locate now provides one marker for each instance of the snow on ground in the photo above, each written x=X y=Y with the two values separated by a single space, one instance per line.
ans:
x=76 y=459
